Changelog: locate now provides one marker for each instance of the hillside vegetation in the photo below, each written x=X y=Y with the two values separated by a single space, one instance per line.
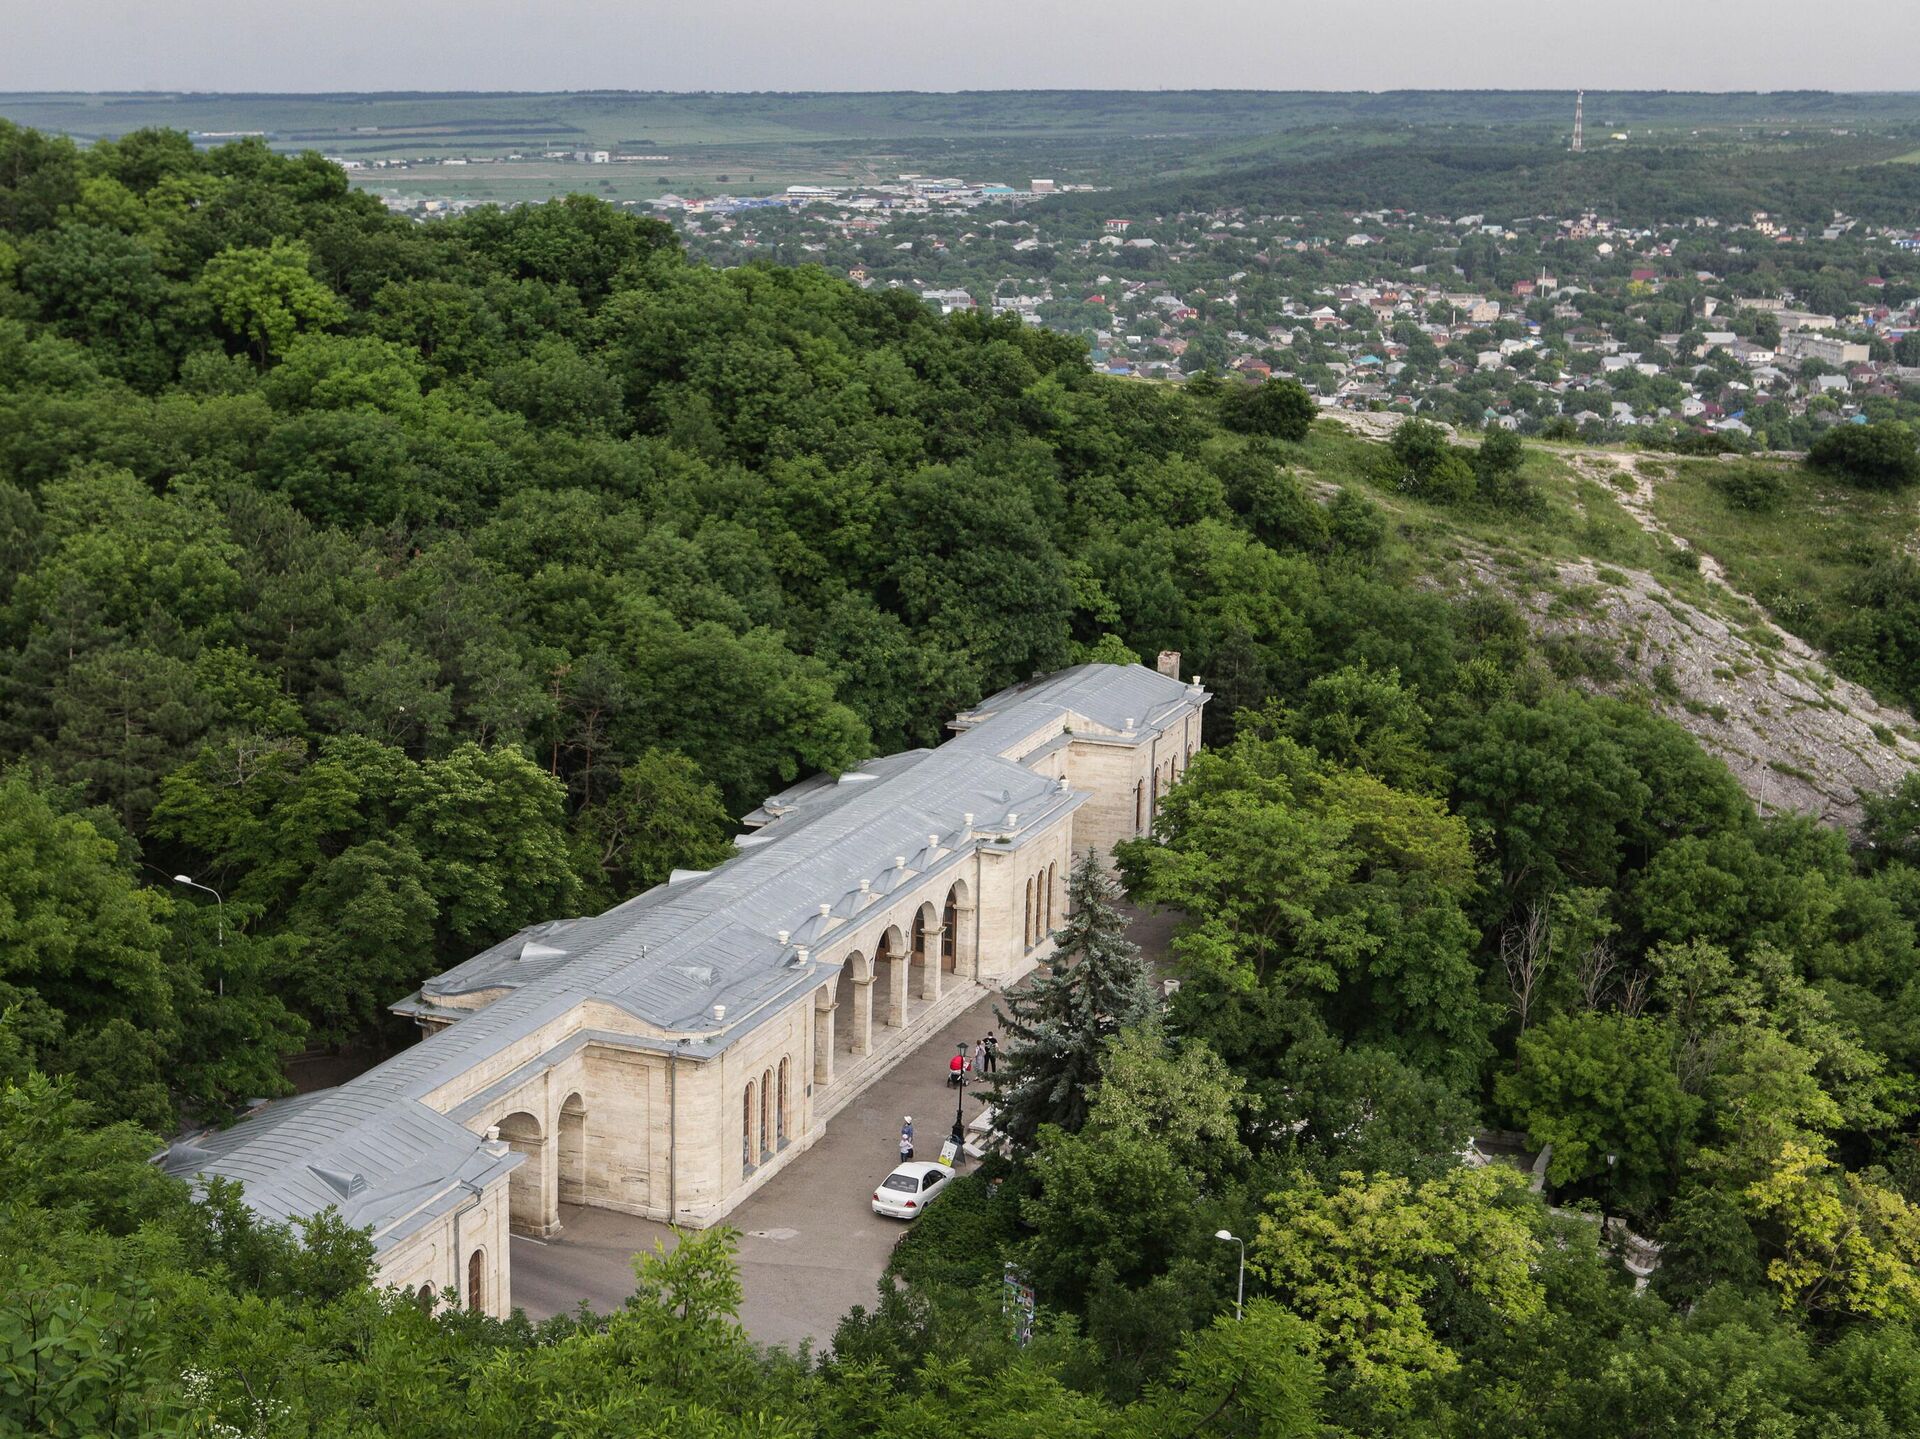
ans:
x=410 y=584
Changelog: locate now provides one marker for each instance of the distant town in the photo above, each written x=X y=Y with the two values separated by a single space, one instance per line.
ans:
x=1583 y=320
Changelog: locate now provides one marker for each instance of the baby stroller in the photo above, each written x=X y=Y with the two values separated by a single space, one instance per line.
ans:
x=957 y=1070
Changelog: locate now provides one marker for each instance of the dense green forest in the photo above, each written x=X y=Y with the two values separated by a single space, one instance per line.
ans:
x=1801 y=181
x=408 y=584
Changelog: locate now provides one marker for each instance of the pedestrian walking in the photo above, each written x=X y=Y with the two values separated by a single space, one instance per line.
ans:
x=906 y=1144
x=980 y=1056
x=993 y=1053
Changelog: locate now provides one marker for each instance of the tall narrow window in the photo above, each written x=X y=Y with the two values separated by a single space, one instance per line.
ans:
x=780 y=1109
x=1140 y=806
x=746 y=1127
x=766 y=1107
x=477 y=1280
x=1053 y=875
x=1026 y=920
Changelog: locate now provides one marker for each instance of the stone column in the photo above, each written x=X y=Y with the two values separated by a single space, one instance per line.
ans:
x=897 y=967
x=935 y=942
x=823 y=1044
x=863 y=1015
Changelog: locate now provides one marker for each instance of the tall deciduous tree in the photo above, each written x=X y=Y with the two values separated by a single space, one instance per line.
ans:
x=267 y=296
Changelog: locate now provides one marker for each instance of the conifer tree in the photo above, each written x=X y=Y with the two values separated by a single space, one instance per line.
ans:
x=1058 y=1026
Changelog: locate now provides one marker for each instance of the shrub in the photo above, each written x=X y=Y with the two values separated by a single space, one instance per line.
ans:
x=1873 y=457
x=1279 y=409
x=1757 y=489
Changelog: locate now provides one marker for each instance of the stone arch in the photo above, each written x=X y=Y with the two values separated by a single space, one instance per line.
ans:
x=1053 y=883
x=956 y=926
x=890 y=976
x=477 y=1280
x=572 y=1150
x=425 y=1298
x=928 y=952
x=853 y=1000
x=527 y=1185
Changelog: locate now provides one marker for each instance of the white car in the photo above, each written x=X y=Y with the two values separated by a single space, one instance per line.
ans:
x=911 y=1188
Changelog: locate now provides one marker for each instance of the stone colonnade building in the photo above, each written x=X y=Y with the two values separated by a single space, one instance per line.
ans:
x=669 y=1057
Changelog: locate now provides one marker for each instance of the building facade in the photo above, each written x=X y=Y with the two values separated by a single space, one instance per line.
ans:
x=670 y=1056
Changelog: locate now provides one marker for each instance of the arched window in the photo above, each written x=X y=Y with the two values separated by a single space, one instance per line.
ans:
x=425 y=1299
x=1053 y=875
x=1139 y=806
x=766 y=1113
x=1156 y=790
x=1026 y=922
x=780 y=1109
x=477 y=1280
x=746 y=1127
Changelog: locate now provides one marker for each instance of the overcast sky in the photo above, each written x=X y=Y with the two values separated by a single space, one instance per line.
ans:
x=957 y=44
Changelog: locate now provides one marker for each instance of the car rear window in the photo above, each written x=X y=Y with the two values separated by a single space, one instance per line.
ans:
x=901 y=1181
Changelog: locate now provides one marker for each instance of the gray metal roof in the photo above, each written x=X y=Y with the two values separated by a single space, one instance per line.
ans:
x=668 y=956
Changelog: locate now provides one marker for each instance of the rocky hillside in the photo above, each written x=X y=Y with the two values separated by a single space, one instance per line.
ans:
x=1799 y=737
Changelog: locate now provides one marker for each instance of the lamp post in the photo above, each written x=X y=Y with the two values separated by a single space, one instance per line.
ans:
x=1240 y=1293
x=219 y=921
x=1612 y=1160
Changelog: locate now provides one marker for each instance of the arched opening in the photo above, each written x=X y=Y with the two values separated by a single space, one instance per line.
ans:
x=853 y=1006
x=950 y=932
x=425 y=1299
x=780 y=1135
x=1053 y=880
x=1140 y=807
x=746 y=1127
x=572 y=1157
x=890 y=978
x=767 y=1138
x=1026 y=920
x=962 y=937
x=926 y=966
x=1155 y=807
x=527 y=1185
x=477 y=1278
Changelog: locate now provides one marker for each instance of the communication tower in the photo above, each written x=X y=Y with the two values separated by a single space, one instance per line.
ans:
x=1579 y=104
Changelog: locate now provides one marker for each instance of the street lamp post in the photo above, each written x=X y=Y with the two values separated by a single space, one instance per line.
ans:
x=219 y=921
x=1240 y=1294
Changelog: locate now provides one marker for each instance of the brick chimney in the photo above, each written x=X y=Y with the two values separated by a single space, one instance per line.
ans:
x=1169 y=664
